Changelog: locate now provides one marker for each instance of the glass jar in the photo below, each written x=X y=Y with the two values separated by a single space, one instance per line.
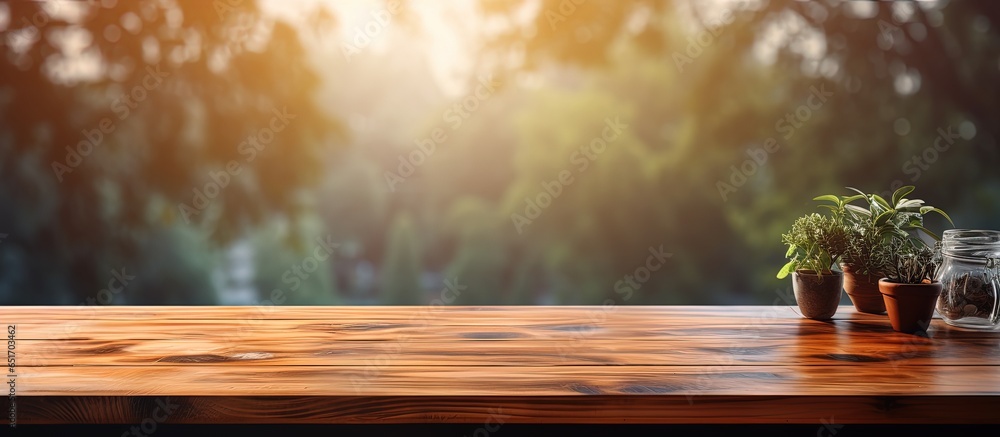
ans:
x=968 y=273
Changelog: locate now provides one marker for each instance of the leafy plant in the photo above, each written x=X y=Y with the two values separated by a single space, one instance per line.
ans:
x=815 y=243
x=870 y=229
x=911 y=262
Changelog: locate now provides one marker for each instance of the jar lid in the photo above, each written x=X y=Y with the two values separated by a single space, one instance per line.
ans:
x=974 y=236
x=974 y=243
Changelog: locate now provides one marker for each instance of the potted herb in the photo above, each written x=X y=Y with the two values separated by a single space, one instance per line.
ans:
x=909 y=288
x=861 y=261
x=862 y=266
x=815 y=244
x=869 y=229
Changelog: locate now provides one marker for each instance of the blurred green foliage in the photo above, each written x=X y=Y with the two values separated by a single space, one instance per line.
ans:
x=401 y=271
x=620 y=126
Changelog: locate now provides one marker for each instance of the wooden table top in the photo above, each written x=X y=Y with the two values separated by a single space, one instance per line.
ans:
x=653 y=364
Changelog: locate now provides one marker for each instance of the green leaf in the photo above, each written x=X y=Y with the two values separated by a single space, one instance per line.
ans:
x=825 y=262
x=901 y=193
x=881 y=201
x=885 y=229
x=859 y=210
x=828 y=198
x=791 y=250
x=927 y=209
x=908 y=203
x=786 y=269
x=849 y=199
x=884 y=217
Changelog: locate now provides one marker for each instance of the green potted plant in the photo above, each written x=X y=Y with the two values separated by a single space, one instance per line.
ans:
x=862 y=266
x=869 y=229
x=861 y=262
x=815 y=244
x=909 y=288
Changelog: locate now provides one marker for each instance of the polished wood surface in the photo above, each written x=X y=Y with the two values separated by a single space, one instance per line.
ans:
x=509 y=364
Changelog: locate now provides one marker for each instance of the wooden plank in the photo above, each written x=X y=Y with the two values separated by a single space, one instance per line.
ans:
x=494 y=411
x=862 y=379
x=463 y=346
x=457 y=325
x=499 y=331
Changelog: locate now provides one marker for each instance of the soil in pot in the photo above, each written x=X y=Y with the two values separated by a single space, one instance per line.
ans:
x=863 y=291
x=910 y=306
x=818 y=296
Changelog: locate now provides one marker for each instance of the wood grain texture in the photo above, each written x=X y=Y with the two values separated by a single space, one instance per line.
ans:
x=476 y=364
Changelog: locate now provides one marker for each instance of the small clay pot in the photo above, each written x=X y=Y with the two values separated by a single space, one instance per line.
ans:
x=863 y=291
x=910 y=306
x=818 y=296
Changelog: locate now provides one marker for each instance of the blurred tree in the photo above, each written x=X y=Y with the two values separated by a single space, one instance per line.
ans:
x=118 y=118
x=941 y=52
x=400 y=279
x=920 y=35
x=173 y=269
x=291 y=273
x=707 y=89
x=481 y=259
x=699 y=96
x=355 y=206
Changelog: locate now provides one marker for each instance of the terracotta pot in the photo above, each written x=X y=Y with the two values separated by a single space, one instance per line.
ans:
x=863 y=291
x=910 y=306
x=818 y=296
